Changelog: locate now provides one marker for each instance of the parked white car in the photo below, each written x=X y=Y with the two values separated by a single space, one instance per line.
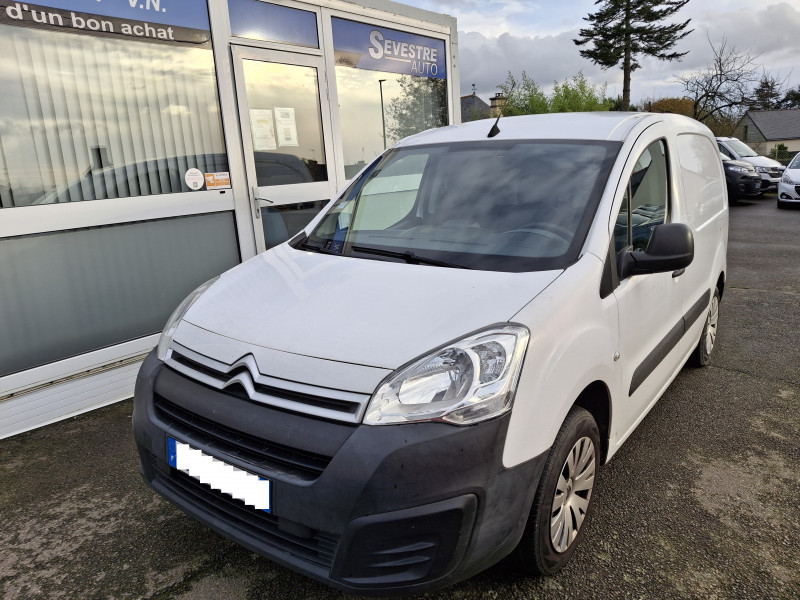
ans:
x=769 y=169
x=789 y=185
x=430 y=375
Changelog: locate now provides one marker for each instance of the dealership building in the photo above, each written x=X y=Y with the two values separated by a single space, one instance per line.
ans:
x=148 y=145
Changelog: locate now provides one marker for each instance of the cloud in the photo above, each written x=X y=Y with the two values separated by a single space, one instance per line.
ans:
x=769 y=31
x=486 y=61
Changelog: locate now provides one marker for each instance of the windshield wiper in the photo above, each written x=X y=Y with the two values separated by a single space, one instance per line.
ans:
x=306 y=246
x=408 y=256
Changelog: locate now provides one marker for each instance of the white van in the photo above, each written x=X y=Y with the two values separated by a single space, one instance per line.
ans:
x=429 y=376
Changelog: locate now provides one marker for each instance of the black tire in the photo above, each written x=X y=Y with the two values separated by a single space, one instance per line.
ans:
x=537 y=552
x=708 y=339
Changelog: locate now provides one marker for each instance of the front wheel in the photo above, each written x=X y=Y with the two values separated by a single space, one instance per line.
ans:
x=558 y=517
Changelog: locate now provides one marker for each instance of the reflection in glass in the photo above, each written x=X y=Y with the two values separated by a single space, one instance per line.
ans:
x=502 y=206
x=264 y=21
x=410 y=104
x=285 y=123
x=71 y=292
x=282 y=222
x=86 y=117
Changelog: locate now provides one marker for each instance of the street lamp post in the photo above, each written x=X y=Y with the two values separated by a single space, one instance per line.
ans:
x=383 y=116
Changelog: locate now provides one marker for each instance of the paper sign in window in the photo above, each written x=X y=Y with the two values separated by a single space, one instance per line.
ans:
x=287 y=127
x=263 y=130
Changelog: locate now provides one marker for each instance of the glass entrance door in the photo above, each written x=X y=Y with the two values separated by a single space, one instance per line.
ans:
x=285 y=120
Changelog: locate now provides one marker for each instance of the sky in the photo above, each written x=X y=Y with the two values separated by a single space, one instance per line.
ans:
x=498 y=36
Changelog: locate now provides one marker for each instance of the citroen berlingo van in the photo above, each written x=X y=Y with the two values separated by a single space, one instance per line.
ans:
x=429 y=377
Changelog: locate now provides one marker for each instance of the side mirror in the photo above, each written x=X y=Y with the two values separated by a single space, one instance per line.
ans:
x=671 y=248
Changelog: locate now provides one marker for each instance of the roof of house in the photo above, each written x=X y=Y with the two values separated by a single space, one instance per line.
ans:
x=777 y=124
x=472 y=106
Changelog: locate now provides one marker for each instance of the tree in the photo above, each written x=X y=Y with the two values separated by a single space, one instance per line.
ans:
x=768 y=93
x=791 y=99
x=724 y=88
x=622 y=30
x=523 y=98
x=616 y=105
x=779 y=152
x=678 y=106
x=421 y=105
x=576 y=94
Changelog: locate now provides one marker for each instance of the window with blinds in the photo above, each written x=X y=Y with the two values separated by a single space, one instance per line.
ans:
x=90 y=117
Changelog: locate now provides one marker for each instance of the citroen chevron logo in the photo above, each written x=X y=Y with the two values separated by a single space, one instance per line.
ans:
x=246 y=373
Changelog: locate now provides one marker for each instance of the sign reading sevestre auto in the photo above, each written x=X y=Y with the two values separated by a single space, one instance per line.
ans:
x=171 y=21
x=375 y=48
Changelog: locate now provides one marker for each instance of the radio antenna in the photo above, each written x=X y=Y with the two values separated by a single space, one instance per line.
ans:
x=495 y=129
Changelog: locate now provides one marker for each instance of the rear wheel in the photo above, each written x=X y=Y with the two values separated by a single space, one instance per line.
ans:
x=708 y=339
x=558 y=517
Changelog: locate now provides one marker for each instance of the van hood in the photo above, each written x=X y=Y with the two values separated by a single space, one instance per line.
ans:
x=365 y=312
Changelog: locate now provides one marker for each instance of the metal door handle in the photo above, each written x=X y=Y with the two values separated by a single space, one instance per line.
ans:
x=254 y=198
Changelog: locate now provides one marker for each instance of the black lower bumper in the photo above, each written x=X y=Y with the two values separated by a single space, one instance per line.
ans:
x=379 y=510
x=743 y=186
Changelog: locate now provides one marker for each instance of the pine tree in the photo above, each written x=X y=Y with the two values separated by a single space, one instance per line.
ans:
x=791 y=99
x=767 y=95
x=622 y=30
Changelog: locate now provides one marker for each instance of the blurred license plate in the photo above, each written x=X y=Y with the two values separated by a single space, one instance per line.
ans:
x=253 y=490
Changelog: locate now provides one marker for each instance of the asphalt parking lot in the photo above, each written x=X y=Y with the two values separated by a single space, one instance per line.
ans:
x=701 y=502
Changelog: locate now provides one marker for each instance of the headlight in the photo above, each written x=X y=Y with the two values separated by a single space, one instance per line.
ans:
x=763 y=169
x=468 y=381
x=787 y=179
x=176 y=316
x=736 y=168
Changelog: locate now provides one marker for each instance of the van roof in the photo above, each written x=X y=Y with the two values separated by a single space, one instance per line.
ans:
x=612 y=126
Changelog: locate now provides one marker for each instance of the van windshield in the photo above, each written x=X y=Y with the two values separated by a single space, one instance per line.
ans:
x=499 y=206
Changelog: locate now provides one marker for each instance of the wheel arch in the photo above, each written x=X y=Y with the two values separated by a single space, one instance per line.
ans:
x=596 y=399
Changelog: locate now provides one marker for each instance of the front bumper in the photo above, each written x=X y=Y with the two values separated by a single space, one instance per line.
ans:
x=770 y=180
x=788 y=192
x=371 y=510
x=742 y=185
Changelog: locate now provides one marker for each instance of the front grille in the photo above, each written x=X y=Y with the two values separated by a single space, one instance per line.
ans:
x=329 y=403
x=313 y=546
x=253 y=450
x=244 y=380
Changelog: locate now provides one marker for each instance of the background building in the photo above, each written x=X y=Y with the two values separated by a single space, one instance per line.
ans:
x=765 y=130
x=473 y=108
x=146 y=148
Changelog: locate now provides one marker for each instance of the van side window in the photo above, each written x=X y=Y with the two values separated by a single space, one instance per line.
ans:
x=645 y=203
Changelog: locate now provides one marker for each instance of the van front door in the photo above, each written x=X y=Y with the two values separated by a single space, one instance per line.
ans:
x=650 y=306
x=286 y=133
